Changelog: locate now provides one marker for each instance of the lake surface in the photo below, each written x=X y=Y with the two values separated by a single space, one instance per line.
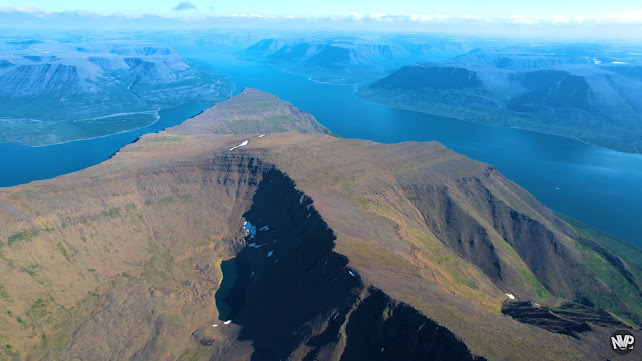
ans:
x=22 y=163
x=597 y=186
x=600 y=187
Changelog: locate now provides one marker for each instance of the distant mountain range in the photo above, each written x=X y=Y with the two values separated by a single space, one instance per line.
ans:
x=54 y=92
x=351 y=59
x=575 y=91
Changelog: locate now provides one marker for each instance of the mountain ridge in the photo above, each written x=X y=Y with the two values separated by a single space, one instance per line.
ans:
x=144 y=234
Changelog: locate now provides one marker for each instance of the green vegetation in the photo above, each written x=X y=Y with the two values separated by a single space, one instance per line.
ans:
x=125 y=275
x=22 y=236
x=620 y=288
x=602 y=253
x=167 y=138
x=23 y=324
x=63 y=251
x=533 y=283
x=628 y=252
x=4 y=295
x=39 y=311
x=112 y=213
x=194 y=354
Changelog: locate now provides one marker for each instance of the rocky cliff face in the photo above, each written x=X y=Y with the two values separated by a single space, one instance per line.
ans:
x=65 y=93
x=354 y=250
x=559 y=94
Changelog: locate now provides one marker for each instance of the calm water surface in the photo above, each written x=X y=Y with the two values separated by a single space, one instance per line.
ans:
x=597 y=186
x=22 y=163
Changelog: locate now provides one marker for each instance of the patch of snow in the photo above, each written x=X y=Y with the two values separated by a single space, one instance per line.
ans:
x=262 y=135
x=215 y=325
x=270 y=253
x=619 y=62
x=240 y=145
x=250 y=228
x=227 y=322
x=511 y=296
x=537 y=304
x=264 y=228
x=351 y=274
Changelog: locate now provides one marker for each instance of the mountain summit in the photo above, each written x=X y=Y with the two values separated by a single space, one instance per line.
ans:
x=249 y=233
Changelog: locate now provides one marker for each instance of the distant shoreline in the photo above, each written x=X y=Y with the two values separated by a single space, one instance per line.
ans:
x=634 y=146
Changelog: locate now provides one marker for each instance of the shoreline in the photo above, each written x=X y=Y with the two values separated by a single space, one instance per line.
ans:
x=157 y=111
x=111 y=155
x=355 y=87
x=633 y=145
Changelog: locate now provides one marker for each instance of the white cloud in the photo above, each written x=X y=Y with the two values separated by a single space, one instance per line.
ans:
x=632 y=17
x=22 y=9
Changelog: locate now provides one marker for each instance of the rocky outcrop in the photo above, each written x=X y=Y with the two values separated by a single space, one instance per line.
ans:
x=293 y=295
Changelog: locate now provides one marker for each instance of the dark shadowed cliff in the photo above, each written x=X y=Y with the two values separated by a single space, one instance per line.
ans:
x=354 y=251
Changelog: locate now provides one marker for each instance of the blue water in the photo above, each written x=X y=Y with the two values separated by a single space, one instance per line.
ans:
x=22 y=163
x=597 y=186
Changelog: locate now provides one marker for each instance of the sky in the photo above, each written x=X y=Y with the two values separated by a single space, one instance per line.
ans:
x=564 y=19
x=564 y=10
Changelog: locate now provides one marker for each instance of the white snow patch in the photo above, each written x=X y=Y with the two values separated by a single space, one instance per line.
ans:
x=240 y=145
x=227 y=322
x=511 y=296
x=351 y=274
x=250 y=228
x=270 y=253
x=619 y=62
x=215 y=325
x=262 y=135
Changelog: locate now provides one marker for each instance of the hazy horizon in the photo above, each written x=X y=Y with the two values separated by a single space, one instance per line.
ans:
x=617 y=21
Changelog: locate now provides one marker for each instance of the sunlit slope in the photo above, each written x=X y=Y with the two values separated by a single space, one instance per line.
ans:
x=54 y=92
x=122 y=260
x=565 y=93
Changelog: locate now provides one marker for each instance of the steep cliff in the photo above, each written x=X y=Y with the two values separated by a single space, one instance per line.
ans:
x=353 y=250
x=79 y=92
x=556 y=95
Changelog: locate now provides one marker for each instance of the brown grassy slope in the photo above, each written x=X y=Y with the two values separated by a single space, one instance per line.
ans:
x=90 y=255
x=252 y=112
x=127 y=252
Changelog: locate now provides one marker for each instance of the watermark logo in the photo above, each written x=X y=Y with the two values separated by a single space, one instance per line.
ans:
x=622 y=342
